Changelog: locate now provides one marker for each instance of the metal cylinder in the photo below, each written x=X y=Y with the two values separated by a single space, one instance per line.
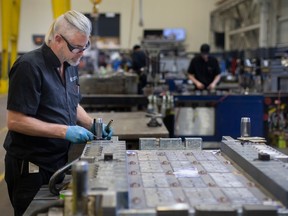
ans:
x=98 y=128
x=80 y=188
x=245 y=127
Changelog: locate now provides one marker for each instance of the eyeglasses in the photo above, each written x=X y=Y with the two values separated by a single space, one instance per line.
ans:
x=74 y=49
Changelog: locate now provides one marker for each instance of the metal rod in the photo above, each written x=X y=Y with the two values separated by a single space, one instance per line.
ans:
x=80 y=188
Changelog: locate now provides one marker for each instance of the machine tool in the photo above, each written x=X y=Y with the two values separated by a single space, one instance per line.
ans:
x=171 y=176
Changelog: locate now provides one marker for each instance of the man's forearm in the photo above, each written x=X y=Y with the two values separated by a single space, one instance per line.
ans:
x=193 y=79
x=83 y=119
x=196 y=82
x=34 y=127
x=216 y=79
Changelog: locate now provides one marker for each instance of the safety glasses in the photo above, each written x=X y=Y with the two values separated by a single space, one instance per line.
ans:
x=74 y=49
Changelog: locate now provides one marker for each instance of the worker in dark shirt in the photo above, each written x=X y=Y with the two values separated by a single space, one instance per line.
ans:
x=44 y=116
x=204 y=70
x=138 y=65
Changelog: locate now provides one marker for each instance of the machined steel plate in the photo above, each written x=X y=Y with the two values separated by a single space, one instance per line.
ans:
x=193 y=177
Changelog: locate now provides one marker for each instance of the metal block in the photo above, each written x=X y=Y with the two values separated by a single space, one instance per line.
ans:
x=138 y=212
x=193 y=143
x=108 y=175
x=89 y=159
x=148 y=143
x=171 y=143
x=246 y=156
x=259 y=210
x=179 y=209
x=109 y=203
x=215 y=210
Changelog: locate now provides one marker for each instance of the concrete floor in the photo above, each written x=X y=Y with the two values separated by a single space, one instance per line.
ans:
x=5 y=205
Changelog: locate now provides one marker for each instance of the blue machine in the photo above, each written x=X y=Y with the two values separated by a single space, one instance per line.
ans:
x=229 y=109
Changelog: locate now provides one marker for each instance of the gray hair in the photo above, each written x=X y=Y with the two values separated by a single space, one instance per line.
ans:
x=69 y=23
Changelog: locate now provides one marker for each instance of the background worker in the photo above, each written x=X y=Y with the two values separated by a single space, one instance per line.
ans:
x=139 y=63
x=44 y=116
x=204 y=70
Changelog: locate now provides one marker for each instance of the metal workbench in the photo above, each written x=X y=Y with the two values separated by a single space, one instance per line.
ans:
x=174 y=178
x=132 y=125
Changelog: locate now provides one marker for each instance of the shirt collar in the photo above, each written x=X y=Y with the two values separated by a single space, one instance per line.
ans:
x=50 y=56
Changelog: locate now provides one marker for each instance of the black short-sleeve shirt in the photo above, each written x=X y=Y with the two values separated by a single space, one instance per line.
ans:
x=37 y=90
x=138 y=60
x=204 y=71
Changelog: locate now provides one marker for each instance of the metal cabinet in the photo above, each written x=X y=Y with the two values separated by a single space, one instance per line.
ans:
x=214 y=116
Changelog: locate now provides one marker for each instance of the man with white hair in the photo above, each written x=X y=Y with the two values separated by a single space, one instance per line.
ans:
x=44 y=116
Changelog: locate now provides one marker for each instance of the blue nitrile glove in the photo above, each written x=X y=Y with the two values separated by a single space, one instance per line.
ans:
x=77 y=134
x=107 y=133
